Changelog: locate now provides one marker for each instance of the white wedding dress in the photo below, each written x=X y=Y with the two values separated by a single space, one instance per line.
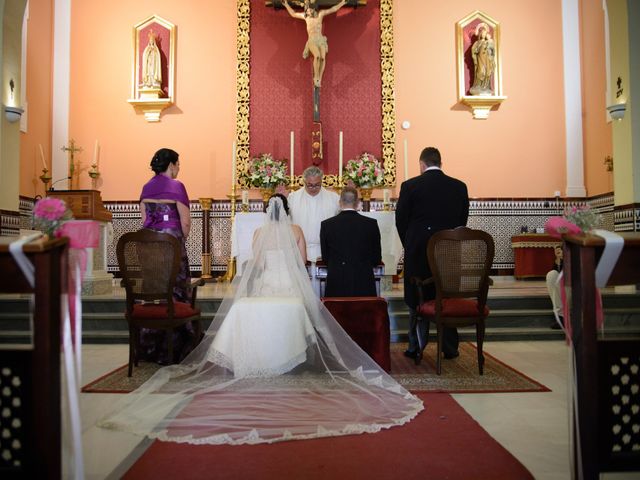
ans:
x=265 y=335
x=274 y=365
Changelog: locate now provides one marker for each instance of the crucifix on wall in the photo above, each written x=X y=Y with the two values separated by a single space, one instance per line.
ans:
x=316 y=45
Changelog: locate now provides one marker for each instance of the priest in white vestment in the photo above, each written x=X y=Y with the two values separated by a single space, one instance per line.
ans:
x=310 y=206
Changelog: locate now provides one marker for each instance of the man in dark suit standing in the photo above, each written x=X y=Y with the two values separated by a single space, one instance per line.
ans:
x=350 y=245
x=427 y=204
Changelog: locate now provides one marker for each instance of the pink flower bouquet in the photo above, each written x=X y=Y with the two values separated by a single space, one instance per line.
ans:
x=266 y=172
x=575 y=220
x=364 y=171
x=49 y=214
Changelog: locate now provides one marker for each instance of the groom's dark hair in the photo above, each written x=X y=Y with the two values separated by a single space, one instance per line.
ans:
x=430 y=156
x=285 y=203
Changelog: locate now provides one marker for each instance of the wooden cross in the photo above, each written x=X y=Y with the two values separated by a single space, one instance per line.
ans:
x=71 y=149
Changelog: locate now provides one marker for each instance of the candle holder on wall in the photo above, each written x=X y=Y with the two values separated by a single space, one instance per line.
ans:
x=45 y=178
x=231 y=263
x=94 y=173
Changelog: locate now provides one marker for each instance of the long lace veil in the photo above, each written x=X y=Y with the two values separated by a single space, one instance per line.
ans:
x=311 y=381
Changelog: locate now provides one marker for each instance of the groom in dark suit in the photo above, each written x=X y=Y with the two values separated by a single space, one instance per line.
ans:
x=427 y=204
x=350 y=245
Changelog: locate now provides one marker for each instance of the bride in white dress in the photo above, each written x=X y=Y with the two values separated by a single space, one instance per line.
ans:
x=274 y=365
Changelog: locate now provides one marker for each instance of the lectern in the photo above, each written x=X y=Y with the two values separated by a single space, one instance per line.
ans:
x=87 y=205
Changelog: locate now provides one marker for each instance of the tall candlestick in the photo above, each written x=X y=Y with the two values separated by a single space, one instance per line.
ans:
x=44 y=164
x=291 y=160
x=406 y=161
x=96 y=149
x=340 y=145
x=245 y=197
x=233 y=165
x=386 y=195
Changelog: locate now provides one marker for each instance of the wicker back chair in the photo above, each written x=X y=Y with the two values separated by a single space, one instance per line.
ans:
x=460 y=261
x=149 y=262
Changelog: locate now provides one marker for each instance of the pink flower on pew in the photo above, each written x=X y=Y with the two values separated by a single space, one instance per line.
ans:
x=576 y=219
x=557 y=226
x=49 y=214
x=51 y=209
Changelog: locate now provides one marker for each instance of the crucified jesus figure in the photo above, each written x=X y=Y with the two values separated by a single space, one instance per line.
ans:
x=317 y=43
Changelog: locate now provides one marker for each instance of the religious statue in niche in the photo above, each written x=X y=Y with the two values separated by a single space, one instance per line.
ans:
x=317 y=43
x=479 y=64
x=151 y=64
x=483 y=53
x=154 y=57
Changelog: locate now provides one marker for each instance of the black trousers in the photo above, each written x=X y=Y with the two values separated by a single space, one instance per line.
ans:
x=419 y=335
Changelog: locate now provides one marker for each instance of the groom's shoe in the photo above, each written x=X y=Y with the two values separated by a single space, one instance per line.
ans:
x=411 y=353
x=452 y=355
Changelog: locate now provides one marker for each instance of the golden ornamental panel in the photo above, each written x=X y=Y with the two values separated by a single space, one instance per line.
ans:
x=243 y=92
x=388 y=93
x=387 y=75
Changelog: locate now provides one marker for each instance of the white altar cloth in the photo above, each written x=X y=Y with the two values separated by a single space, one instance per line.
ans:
x=391 y=244
x=244 y=225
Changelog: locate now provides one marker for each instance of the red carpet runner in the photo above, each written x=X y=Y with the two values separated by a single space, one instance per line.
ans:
x=443 y=442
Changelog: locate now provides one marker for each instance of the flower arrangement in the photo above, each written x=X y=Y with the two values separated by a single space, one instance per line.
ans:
x=266 y=172
x=575 y=220
x=585 y=218
x=364 y=171
x=49 y=214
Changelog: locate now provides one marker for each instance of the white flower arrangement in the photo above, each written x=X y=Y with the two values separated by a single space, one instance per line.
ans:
x=364 y=171
x=266 y=172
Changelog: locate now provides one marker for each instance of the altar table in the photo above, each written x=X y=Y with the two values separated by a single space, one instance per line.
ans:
x=533 y=254
x=245 y=224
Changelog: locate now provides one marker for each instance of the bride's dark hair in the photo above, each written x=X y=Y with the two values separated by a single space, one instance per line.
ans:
x=285 y=203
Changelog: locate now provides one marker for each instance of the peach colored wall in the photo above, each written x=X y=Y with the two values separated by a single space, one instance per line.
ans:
x=520 y=150
x=597 y=132
x=200 y=126
x=39 y=64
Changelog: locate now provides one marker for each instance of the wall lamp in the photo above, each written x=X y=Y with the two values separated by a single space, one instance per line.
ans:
x=13 y=114
x=617 y=111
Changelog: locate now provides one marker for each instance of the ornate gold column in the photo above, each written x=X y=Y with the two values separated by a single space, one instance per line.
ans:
x=206 y=238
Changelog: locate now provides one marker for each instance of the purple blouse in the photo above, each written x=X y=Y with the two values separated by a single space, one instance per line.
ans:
x=161 y=187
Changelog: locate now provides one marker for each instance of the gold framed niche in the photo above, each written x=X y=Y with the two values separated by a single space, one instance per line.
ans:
x=469 y=30
x=387 y=79
x=147 y=98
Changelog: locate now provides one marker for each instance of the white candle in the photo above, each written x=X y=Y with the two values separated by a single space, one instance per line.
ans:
x=340 y=144
x=96 y=149
x=291 y=160
x=387 y=195
x=245 y=197
x=44 y=164
x=406 y=161
x=233 y=165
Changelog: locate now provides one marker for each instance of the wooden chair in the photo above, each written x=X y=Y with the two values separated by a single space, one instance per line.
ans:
x=149 y=262
x=460 y=261
x=366 y=320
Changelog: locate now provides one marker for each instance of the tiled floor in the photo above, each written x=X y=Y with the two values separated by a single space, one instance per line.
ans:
x=532 y=426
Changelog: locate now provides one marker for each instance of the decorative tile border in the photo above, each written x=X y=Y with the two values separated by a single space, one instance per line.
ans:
x=627 y=218
x=9 y=223
x=502 y=218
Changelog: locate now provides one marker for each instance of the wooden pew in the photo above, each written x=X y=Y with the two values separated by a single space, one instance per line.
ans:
x=600 y=362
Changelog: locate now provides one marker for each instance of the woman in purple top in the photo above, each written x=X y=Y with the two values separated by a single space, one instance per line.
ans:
x=164 y=206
